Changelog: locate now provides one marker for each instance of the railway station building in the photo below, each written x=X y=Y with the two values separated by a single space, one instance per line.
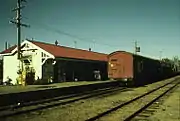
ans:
x=53 y=61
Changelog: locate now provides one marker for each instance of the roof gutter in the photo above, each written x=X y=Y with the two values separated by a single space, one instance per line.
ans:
x=6 y=54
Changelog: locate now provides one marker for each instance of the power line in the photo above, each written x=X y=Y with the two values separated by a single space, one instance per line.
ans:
x=48 y=28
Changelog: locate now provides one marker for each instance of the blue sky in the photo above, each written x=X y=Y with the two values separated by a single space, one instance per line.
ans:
x=103 y=25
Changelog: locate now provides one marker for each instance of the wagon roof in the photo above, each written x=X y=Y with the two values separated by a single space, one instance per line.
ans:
x=62 y=51
x=131 y=54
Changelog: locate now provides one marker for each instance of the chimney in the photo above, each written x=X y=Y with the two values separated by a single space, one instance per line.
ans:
x=56 y=42
x=6 y=45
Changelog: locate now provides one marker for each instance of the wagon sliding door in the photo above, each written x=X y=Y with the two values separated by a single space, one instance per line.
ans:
x=117 y=68
x=121 y=68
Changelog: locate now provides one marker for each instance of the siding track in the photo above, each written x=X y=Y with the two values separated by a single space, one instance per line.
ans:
x=131 y=108
x=27 y=107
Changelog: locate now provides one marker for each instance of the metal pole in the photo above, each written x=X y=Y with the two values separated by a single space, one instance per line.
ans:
x=94 y=44
x=75 y=44
x=160 y=55
x=18 y=20
x=135 y=47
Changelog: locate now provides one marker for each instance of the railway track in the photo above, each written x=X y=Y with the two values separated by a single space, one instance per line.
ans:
x=131 y=109
x=137 y=115
x=27 y=107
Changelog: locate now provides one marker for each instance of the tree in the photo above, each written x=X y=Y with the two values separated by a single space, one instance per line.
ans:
x=168 y=62
x=176 y=63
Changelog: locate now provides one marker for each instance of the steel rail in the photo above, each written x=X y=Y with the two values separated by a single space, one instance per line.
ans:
x=49 y=105
x=128 y=102
x=150 y=103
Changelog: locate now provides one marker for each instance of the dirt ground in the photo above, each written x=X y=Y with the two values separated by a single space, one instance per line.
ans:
x=170 y=109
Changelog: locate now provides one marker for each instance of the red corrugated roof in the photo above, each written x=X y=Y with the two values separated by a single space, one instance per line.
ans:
x=8 y=50
x=61 y=51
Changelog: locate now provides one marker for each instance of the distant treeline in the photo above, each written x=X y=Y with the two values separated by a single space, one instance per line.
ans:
x=174 y=62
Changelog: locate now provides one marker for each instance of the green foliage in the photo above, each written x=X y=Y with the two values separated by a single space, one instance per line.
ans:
x=174 y=62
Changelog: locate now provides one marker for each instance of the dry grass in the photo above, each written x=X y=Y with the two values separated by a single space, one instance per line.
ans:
x=170 y=109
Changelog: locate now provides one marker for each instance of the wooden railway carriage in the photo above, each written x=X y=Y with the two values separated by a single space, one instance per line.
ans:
x=167 y=70
x=145 y=70
x=135 y=69
x=120 y=66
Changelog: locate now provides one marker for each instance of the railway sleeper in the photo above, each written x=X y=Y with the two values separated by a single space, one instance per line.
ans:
x=143 y=115
x=139 y=119
x=155 y=104
x=148 y=112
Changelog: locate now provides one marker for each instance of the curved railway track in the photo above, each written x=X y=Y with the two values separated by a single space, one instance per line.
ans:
x=27 y=107
x=126 y=111
x=132 y=116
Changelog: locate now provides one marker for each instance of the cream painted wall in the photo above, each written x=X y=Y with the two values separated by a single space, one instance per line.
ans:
x=10 y=63
x=36 y=63
x=10 y=68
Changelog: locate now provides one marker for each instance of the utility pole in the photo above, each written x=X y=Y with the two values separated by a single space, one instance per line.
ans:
x=19 y=24
x=160 y=54
x=94 y=42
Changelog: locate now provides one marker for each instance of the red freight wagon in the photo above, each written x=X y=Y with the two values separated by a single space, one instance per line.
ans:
x=133 y=69
x=120 y=65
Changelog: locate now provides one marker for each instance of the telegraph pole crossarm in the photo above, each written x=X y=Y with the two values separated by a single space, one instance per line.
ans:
x=24 y=25
x=19 y=24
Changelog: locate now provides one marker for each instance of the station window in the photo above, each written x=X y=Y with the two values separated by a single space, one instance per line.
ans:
x=26 y=45
x=26 y=62
x=43 y=60
x=48 y=61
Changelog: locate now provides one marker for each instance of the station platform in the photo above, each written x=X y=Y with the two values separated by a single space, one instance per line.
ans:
x=17 y=89
x=10 y=95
